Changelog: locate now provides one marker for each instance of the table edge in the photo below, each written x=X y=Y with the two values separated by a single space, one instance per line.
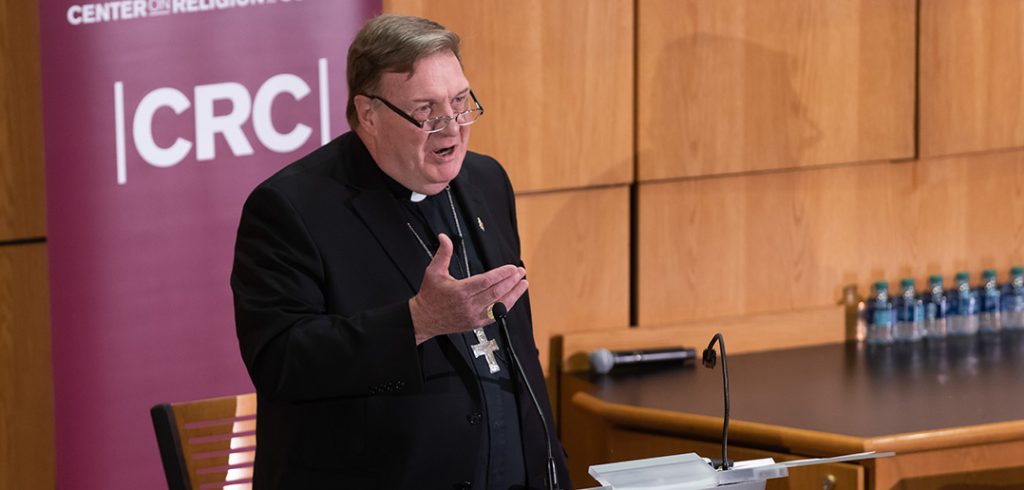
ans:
x=791 y=439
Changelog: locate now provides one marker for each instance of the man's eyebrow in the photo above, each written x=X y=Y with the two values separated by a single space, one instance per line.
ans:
x=462 y=92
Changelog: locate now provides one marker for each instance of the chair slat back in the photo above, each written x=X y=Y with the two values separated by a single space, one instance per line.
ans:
x=212 y=441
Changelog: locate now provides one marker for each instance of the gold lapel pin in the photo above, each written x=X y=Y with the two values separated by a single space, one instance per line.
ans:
x=480 y=223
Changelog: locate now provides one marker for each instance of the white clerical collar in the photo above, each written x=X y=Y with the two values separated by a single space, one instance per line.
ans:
x=417 y=197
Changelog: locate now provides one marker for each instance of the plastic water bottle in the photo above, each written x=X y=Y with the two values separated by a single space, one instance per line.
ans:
x=879 y=315
x=909 y=314
x=1013 y=300
x=936 y=308
x=963 y=307
x=989 y=319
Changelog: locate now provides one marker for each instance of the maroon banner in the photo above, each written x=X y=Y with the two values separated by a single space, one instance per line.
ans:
x=160 y=117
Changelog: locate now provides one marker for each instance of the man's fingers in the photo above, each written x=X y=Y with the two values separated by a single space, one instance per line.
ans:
x=498 y=290
x=509 y=300
x=508 y=293
x=443 y=255
x=481 y=282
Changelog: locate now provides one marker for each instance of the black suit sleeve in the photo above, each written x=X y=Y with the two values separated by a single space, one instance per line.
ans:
x=294 y=349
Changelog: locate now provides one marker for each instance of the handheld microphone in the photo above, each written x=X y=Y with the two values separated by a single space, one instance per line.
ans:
x=603 y=360
x=709 y=360
x=500 y=312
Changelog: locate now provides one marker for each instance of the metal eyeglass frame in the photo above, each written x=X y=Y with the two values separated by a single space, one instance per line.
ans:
x=423 y=125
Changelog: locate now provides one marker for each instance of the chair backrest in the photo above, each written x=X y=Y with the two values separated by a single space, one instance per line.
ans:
x=207 y=444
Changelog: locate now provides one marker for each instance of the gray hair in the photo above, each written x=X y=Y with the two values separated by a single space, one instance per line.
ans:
x=391 y=44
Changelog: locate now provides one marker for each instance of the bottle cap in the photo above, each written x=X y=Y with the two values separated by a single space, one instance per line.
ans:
x=882 y=285
x=962 y=276
x=1017 y=271
x=935 y=278
x=906 y=282
x=989 y=274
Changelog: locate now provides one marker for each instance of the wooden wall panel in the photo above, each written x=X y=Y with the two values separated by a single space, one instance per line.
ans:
x=22 y=202
x=576 y=249
x=26 y=386
x=747 y=85
x=556 y=80
x=790 y=240
x=972 y=76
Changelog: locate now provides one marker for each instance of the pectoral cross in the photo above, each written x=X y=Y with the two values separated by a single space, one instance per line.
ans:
x=486 y=347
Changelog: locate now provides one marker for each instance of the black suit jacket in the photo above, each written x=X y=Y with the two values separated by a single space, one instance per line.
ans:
x=324 y=268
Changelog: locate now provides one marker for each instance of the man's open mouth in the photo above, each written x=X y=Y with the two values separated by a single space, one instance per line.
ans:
x=443 y=152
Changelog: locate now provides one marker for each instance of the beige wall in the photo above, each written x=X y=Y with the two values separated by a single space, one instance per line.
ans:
x=777 y=150
x=26 y=386
x=745 y=86
x=807 y=169
x=972 y=64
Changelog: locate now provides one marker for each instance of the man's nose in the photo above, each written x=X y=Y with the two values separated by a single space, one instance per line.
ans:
x=451 y=128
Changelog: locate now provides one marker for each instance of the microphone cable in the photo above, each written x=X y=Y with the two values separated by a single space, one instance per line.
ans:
x=500 y=312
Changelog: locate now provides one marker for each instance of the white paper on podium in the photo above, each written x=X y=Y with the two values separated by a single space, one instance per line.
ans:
x=692 y=472
x=678 y=472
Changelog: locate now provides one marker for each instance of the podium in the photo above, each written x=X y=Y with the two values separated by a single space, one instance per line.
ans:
x=692 y=472
x=950 y=410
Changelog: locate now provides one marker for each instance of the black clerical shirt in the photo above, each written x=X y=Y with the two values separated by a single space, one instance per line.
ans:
x=501 y=465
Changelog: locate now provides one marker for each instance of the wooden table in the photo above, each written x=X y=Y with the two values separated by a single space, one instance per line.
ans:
x=953 y=412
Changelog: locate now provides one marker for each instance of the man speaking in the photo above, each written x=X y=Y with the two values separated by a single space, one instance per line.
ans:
x=365 y=279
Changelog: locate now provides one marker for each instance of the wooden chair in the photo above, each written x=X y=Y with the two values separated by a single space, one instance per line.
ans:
x=207 y=444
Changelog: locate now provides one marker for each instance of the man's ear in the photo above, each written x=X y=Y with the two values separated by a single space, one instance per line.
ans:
x=365 y=113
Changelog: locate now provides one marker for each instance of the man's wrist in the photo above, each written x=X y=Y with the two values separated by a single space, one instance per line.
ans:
x=417 y=321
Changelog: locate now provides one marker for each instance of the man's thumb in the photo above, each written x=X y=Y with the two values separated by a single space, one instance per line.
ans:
x=444 y=253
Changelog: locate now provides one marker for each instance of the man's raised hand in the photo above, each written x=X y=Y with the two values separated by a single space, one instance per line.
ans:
x=447 y=305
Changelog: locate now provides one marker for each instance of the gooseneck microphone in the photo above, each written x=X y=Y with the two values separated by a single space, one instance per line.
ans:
x=709 y=362
x=603 y=360
x=500 y=312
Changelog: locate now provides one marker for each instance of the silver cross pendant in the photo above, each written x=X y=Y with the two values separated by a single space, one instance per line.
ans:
x=486 y=347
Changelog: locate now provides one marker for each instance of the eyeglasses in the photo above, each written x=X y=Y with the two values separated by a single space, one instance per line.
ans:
x=438 y=123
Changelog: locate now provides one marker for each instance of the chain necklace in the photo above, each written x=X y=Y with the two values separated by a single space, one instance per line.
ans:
x=458 y=233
